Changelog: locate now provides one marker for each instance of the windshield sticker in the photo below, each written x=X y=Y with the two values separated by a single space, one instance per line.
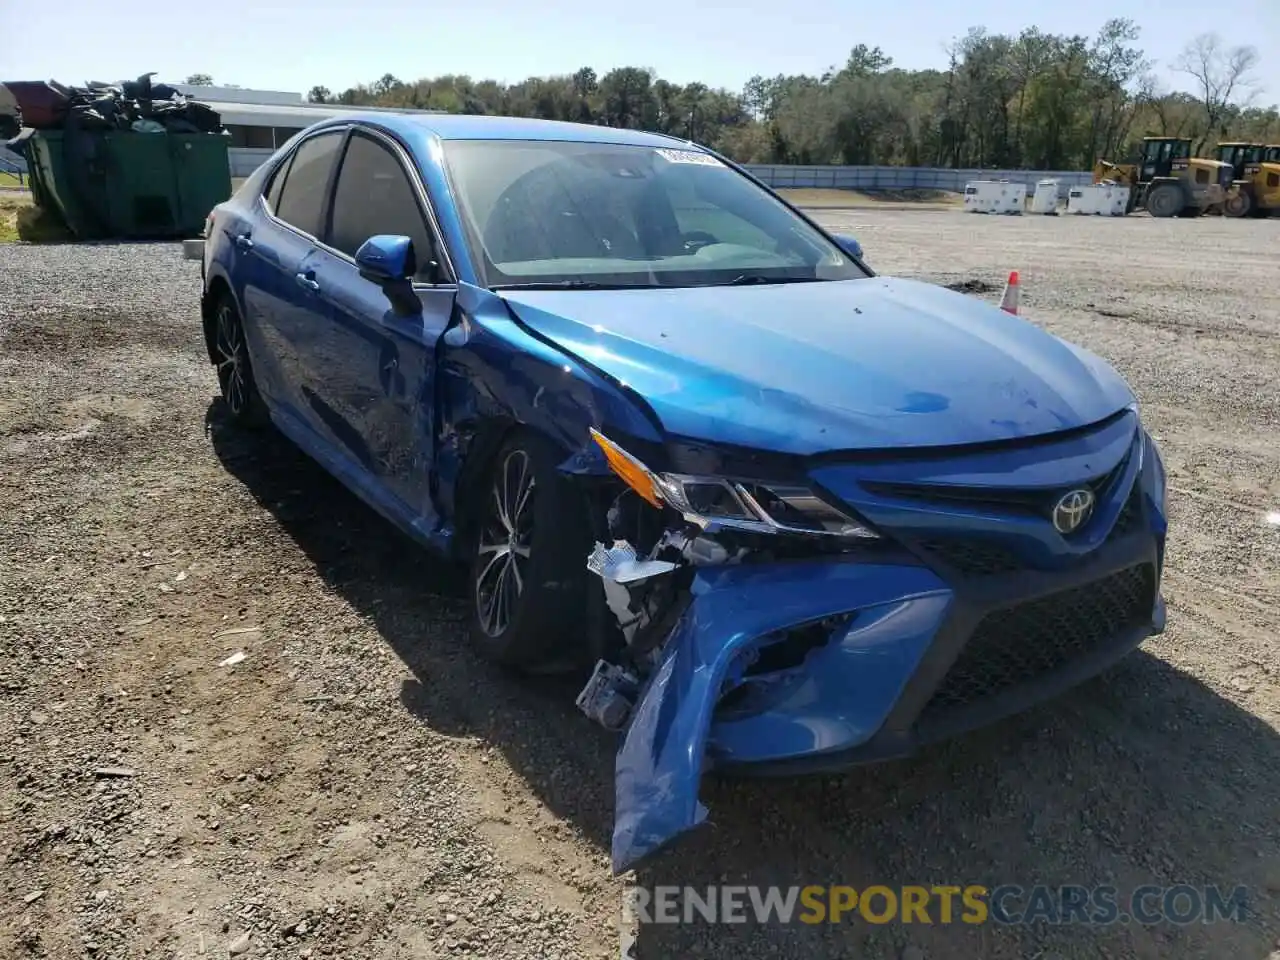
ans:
x=688 y=156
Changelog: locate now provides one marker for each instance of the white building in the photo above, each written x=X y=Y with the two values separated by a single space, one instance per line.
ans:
x=259 y=121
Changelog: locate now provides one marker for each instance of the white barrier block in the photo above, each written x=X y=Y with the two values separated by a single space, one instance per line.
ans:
x=995 y=196
x=1045 y=199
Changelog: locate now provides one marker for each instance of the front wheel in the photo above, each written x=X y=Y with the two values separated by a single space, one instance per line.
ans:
x=1165 y=200
x=528 y=568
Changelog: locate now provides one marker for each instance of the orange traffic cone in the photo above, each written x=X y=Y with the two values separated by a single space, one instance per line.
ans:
x=1009 y=302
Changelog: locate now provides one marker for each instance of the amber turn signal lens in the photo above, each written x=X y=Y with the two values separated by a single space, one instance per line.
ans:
x=630 y=470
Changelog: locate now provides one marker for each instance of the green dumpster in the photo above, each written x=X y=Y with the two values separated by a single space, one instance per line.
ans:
x=124 y=184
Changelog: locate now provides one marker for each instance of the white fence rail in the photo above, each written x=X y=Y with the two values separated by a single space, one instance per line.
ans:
x=905 y=178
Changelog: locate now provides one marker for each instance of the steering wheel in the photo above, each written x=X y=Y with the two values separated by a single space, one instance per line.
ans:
x=695 y=240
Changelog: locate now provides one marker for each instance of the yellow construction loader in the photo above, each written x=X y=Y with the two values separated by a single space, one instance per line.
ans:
x=1167 y=180
x=1255 y=187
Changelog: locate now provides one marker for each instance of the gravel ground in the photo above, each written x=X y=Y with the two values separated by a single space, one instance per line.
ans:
x=361 y=785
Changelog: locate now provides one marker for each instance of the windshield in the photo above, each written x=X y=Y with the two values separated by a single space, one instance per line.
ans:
x=565 y=213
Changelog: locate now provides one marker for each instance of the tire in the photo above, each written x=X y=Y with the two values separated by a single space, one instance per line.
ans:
x=528 y=577
x=1238 y=204
x=1165 y=200
x=235 y=370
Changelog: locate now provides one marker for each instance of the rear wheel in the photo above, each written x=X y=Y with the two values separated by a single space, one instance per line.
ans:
x=1165 y=200
x=528 y=569
x=1238 y=204
x=235 y=372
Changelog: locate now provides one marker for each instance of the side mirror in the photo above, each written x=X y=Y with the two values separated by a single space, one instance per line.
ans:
x=387 y=259
x=390 y=262
x=849 y=245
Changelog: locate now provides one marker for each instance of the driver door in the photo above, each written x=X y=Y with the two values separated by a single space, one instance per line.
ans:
x=381 y=379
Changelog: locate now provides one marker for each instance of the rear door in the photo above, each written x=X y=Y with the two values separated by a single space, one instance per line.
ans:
x=286 y=319
x=381 y=378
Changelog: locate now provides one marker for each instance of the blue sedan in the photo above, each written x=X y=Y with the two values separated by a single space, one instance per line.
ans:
x=784 y=514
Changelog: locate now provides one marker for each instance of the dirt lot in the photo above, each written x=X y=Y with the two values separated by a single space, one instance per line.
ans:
x=361 y=785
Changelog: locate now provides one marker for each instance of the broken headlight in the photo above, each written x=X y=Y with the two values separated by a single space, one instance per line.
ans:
x=718 y=503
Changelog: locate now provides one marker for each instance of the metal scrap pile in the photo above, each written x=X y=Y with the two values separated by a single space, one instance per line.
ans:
x=137 y=105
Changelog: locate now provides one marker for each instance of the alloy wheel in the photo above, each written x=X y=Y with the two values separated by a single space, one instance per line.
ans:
x=232 y=360
x=505 y=541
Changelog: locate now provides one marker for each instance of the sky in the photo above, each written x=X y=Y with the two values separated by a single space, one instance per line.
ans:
x=296 y=44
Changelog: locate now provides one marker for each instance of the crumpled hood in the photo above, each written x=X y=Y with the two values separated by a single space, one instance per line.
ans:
x=808 y=367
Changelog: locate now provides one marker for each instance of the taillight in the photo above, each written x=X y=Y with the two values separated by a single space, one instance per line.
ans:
x=208 y=225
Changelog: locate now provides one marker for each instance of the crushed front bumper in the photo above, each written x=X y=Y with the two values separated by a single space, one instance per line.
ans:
x=919 y=661
x=987 y=611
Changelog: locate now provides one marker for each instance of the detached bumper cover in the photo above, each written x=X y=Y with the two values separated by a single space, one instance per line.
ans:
x=901 y=675
x=844 y=700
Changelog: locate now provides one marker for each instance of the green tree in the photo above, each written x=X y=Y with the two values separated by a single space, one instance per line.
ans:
x=628 y=98
x=1031 y=100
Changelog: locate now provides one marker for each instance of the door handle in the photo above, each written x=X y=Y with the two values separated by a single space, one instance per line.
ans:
x=304 y=280
x=244 y=242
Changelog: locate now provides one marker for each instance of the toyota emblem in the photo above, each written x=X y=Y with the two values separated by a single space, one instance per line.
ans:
x=1072 y=511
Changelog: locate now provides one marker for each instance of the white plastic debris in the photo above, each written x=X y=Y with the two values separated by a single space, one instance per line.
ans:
x=1273 y=518
x=620 y=564
x=232 y=660
x=236 y=632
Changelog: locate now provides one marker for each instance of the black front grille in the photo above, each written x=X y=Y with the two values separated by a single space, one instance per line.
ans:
x=1022 y=500
x=1130 y=517
x=969 y=557
x=1019 y=644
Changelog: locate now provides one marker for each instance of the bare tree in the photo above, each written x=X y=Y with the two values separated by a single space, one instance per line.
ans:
x=1221 y=75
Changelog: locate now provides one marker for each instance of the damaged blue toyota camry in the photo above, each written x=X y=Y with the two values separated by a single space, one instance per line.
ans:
x=785 y=515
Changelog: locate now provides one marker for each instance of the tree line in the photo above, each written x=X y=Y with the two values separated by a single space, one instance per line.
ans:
x=1034 y=101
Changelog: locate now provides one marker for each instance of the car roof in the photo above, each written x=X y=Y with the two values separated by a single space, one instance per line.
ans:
x=454 y=126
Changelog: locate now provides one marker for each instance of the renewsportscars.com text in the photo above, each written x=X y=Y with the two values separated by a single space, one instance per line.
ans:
x=1008 y=904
